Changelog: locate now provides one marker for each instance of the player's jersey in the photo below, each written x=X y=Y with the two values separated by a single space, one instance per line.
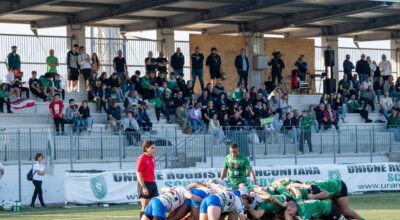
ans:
x=237 y=169
x=333 y=186
x=256 y=201
x=300 y=194
x=311 y=209
x=270 y=207
x=230 y=202
x=173 y=199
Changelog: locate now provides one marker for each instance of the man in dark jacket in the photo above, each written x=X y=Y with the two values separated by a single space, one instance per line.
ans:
x=197 y=67
x=319 y=113
x=348 y=66
x=177 y=61
x=242 y=67
x=277 y=65
x=214 y=63
x=362 y=68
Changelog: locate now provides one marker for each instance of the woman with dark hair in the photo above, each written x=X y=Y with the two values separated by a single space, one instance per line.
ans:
x=147 y=187
x=38 y=170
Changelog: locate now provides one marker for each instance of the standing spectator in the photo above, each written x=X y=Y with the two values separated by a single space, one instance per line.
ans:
x=162 y=63
x=114 y=117
x=195 y=118
x=214 y=64
x=378 y=88
x=39 y=170
x=95 y=65
x=145 y=167
x=377 y=72
x=73 y=68
x=348 y=66
x=277 y=65
x=242 y=67
x=119 y=65
x=330 y=117
x=85 y=115
x=56 y=111
x=150 y=62
x=197 y=67
x=4 y=98
x=393 y=124
x=57 y=86
x=143 y=118
x=306 y=124
x=355 y=107
x=386 y=104
x=100 y=96
x=177 y=61
x=372 y=67
x=319 y=114
x=313 y=115
x=368 y=97
x=84 y=61
x=362 y=68
x=131 y=128
x=13 y=61
x=35 y=88
x=302 y=68
x=386 y=67
x=52 y=63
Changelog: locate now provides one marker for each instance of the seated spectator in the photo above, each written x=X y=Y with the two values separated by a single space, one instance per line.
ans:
x=143 y=118
x=396 y=90
x=337 y=105
x=386 y=104
x=236 y=122
x=204 y=99
x=253 y=93
x=192 y=101
x=103 y=78
x=366 y=83
x=368 y=97
x=215 y=128
x=75 y=119
x=358 y=93
x=289 y=128
x=114 y=116
x=134 y=81
x=188 y=90
x=178 y=98
x=11 y=89
x=324 y=99
x=209 y=112
x=388 y=85
x=224 y=121
x=378 y=88
x=35 y=88
x=57 y=86
x=131 y=128
x=264 y=92
x=209 y=89
x=284 y=106
x=195 y=118
x=222 y=100
x=257 y=98
x=181 y=83
x=355 y=82
x=69 y=116
x=132 y=99
x=85 y=115
x=355 y=107
x=393 y=124
x=19 y=84
x=100 y=96
x=319 y=114
x=160 y=106
x=182 y=115
x=275 y=104
x=170 y=106
x=248 y=116
x=306 y=124
x=246 y=101
x=46 y=84
x=277 y=93
x=163 y=89
x=4 y=98
x=94 y=90
x=161 y=78
x=115 y=86
x=239 y=92
x=218 y=89
x=345 y=86
x=222 y=111
x=146 y=89
x=330 y=118
x=172 y=84
x=259 y=112
x=313 y=115
x=56 y=111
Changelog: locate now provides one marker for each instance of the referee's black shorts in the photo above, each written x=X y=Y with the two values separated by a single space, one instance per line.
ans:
x=151 y=188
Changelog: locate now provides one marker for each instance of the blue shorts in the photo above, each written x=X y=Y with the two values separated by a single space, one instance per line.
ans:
x=198 y=193
x=211 y=200
x=156 y=208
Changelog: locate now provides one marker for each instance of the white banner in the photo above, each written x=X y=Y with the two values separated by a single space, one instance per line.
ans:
x=121 y=186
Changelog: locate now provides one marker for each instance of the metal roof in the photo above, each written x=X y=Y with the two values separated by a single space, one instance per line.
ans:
x=362 y=19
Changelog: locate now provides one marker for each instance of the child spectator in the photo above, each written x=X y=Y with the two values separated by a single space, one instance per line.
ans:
x=46 y=84
x=57 y=86
x=143 y=118
x=85 y=115
x=4 y=98
x=56 y=111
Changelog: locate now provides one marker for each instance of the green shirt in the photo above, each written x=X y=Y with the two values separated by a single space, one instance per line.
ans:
x=306 y=123
x=312 y=209
x=172 y=84
x=57 y=84
x=353 y=105
x=3 y=93
x=44 y=83
x=393 y=122
x=333 y=186
x=237 y=169
x=13 y=61
x=144 y=82
x=51 y=60
x=270 y=207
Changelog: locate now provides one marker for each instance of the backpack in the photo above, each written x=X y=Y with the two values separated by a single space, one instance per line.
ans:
x=30 y=174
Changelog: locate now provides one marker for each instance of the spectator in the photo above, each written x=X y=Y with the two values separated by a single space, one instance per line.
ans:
x=313 y=115
x=195 y=118
x=119 y=65
x=204 y=99
x=131 y=128
x=337 y=105
x=396 y=90
x=242 y=67
x=76 y=121
x=388 y=86
x=386 y=67
x=188 y=90
x=393 y=124
x=284 y=106
x=263 y=90
x=348 y=66
x=57 y=86
x=160 y=106
x=378 y=88
x=68 y=111
x=209 y=89
x=172 y=84
x=215 y=128
x=178 y=99
x=236 y=122
x=324 y=99
x=177 y=61
x=377 y=72
x=214 y=64
x=115 y=87
x=182 y=116
x=289 y=128
x=85 y=115
x=135 y=81
x=218 y=89
x=132 y=99
x=306 y=124
x=52 y=63
x=34 y=87
x=372 y=67
x=95 y=65
x=4 y=98
x=38 y=170
x=197 y=67
x=222 y=111
x=248 y=116
x=330 y=118
x=362 y=68
x=84 y=60
x=222 y=100
x=277 y=65
x=147 y=90
x=10 y=82
x=209 y=112
x=366 y=83
x=56 y=112
x=355 y=107
x=150 y=62
x=368 y=97
x=355 y=82
x=114 y=116
x=386 y=104
x=302 y=68
x=46 y=84
x=192 y=101
x=239 y=92
x=319 y=115
x=18 y=84
x=103 y=78
x=345 y=85
x=143 y=118
x=181 y=82
x=224 y=121
x=73 y=68
x=253 y=93
x=162 y=63
x=13 y=61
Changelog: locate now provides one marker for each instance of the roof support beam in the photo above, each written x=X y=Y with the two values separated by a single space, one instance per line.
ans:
x=18 y=6
x=377 y=36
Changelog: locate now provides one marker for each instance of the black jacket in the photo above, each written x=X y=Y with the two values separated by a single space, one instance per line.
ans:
x=239 y=63
x=277 y=66
x=177 y=61
x=197 y=61
x=362 y=67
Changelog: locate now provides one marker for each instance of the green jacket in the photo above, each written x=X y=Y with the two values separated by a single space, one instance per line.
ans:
x=353 y=105
x=3 y=93
x=144 y=82
x=44 y=83
x=393 y=122
x=306 y=123
x=158 y=102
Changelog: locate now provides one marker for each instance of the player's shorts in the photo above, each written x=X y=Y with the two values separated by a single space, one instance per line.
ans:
x=73 y=74
x=343 y=192
x=198 y=193
x=156 y=208
x=334 y=214
x=211 y=200
x=151 y=187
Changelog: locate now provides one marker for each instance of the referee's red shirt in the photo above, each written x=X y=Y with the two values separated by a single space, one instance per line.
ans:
x=146 y=165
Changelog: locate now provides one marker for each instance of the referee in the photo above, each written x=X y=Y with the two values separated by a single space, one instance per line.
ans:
x=145 y=164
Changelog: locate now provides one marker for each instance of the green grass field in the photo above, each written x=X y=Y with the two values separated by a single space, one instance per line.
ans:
x=380 y=206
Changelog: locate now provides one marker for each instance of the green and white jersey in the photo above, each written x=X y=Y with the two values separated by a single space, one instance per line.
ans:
x=312 y=209
x=237 y=169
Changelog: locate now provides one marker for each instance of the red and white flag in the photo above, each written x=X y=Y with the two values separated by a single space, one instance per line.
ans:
x=22 y=103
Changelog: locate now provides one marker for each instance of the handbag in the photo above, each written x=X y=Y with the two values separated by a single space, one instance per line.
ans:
x=30 y=174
